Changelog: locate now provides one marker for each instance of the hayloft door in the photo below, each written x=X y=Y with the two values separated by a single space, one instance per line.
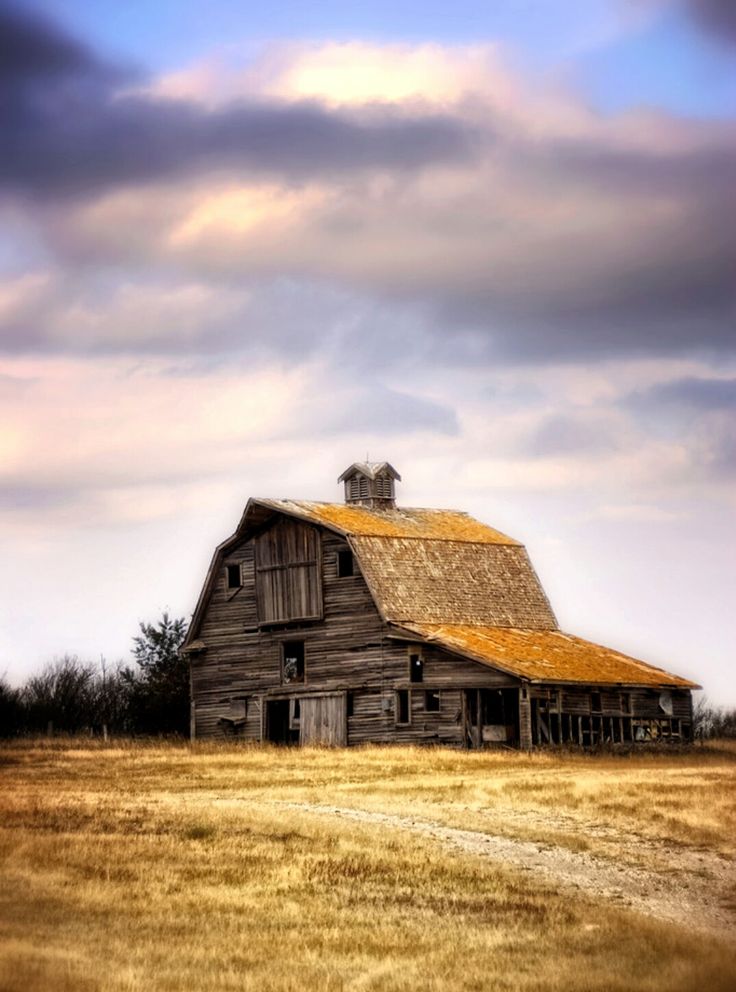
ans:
x=323 y=720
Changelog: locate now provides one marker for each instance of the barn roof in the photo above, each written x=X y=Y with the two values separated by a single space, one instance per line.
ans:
x=448 y=579
x=406 y=522
x=434 y=566
x=546 y=655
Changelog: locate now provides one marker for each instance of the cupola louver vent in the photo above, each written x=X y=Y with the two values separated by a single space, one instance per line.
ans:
x=370 y=484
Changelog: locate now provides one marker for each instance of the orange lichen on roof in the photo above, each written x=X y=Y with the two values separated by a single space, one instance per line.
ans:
x=546 y=655
x=406 y=522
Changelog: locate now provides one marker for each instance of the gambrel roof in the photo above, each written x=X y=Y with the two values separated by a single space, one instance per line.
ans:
x=446 y=578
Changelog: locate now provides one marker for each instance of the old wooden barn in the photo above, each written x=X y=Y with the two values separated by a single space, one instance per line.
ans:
x=364 y=621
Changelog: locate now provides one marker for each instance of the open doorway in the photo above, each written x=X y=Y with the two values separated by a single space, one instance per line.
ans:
x=491 y=717
x=278 y=729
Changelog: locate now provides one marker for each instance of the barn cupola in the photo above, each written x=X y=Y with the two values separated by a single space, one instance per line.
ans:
x=370 y=484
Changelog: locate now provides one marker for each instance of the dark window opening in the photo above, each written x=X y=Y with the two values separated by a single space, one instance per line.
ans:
x=432 y=701
x=402 y=706
x=234 y=580
x=416 y=668
x=625 y=702
x=292 y=662
x=595 y=702
x=350 y=703
x=493 y=707
x=344 y=563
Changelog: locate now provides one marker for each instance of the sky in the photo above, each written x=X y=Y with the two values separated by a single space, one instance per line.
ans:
x=243 y=246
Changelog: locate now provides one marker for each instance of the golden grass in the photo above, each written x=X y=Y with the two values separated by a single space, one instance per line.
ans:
x=134 y=867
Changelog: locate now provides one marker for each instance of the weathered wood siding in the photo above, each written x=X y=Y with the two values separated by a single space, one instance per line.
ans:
x=243 y=657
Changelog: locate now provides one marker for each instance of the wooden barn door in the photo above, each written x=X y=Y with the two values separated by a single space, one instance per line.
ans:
x=323 y=720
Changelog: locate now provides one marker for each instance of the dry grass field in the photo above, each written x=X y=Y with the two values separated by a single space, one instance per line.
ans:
x=164 y=867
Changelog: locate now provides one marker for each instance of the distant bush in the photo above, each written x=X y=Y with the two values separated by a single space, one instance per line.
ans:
x=710 y=721
x=12 y=710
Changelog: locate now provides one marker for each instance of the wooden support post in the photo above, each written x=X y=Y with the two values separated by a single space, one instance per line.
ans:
x=580 y=731
x=525 y=720
x=543 y=728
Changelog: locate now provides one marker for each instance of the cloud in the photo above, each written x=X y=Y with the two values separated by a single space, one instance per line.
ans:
x=378 y=411
x=441 y=206
x=637 y=512
x=718 y=17
x=586 y=435
x=69 y=129
x=691 y=392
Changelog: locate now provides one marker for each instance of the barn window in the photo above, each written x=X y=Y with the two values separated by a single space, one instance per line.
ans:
x=350 y=703
x=432 y=701
x=625 y=702
x=416 y=668
x=234 y=578
x=292 y=661
x=344 y=563
x=595 y=702
x=402 y=706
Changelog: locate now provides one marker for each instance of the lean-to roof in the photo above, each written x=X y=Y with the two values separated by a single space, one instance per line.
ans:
x=546 y=655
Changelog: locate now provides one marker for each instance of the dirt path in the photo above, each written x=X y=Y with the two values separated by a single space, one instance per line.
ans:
x=697 y=889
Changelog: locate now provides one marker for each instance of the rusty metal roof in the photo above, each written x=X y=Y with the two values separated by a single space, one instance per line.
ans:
x=406 y=522
x=545 y=655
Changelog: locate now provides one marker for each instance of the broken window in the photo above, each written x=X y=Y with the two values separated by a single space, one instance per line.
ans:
x=625 y=702
x=402 y=706
x=416 y=668
x=292 y=661
x=665 y=703
x=595 y=702
x=432 y=701
x=344 y=563
x=234 y=579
